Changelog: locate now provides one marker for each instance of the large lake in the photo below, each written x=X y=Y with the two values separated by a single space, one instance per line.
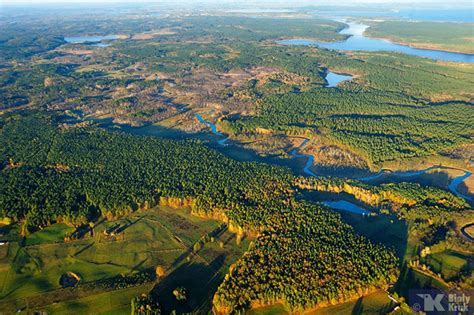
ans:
x=89 y=39
x=358 y=42
x=459 y=15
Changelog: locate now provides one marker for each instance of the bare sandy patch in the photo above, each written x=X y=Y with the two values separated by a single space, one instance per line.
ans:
x=153 y=34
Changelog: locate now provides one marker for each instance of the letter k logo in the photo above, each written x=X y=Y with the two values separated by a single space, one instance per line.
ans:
x=431 y=304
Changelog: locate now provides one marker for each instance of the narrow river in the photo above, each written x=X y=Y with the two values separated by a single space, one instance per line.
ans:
x=453 y=185
x=213 y=129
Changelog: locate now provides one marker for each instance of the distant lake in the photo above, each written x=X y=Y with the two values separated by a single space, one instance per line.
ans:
x=441 y=15
x=101 y=45
x=334 y=79
x=89 y=39
x=458 y=15
x=358 y=42
x=260 y=10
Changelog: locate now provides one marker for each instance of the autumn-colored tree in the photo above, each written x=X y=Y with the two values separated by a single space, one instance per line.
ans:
x=160 y=272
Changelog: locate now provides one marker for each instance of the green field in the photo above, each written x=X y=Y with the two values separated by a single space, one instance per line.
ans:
x=277 y=309
x=450 y=263
x=456 y=37
x=375 y=303
x=162 y=236
x=411 y=278
x=114 y=302
x=51 y=234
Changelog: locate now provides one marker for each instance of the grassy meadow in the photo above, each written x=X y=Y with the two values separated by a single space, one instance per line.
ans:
x=31 y=267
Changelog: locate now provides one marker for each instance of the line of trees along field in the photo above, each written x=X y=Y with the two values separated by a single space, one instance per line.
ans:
x=303 y=254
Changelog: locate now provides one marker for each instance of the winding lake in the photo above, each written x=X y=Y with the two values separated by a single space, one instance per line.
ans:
x=154 y=130
x=465 y=232
x=358 y=42
x=452 y=187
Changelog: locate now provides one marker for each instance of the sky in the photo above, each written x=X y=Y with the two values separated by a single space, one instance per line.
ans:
x=287 y=2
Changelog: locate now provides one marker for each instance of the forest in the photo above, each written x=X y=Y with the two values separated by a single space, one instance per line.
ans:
x=51 y=175
x=397 y=126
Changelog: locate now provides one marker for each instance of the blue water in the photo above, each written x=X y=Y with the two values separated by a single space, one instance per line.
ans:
x=441 y=15
x=309 y=161
x=101 y=45
x=213 y=128
x=453 y=185
x=456 y=182
x=416 y=173
x=358 y=42
x=448 y=15
x=89 y=39
x=334 y=79
x=346 y=206
x=464 y=232
x=372 y=177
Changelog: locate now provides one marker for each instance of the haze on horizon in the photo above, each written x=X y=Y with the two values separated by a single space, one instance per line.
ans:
x=442 y=3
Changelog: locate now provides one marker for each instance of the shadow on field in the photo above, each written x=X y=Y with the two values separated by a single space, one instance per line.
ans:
x=358 y=307
x=127 y=225
x=385 y=229
x=200 y=281
x=84 y=249
x=437 y=178
x=410 y=279
x=382 y=229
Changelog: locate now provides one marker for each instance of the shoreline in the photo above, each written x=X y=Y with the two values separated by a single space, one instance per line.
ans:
x=426 y=46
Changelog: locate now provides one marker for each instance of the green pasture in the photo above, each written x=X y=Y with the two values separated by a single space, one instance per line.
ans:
x=449 y=263
x=161 y=236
